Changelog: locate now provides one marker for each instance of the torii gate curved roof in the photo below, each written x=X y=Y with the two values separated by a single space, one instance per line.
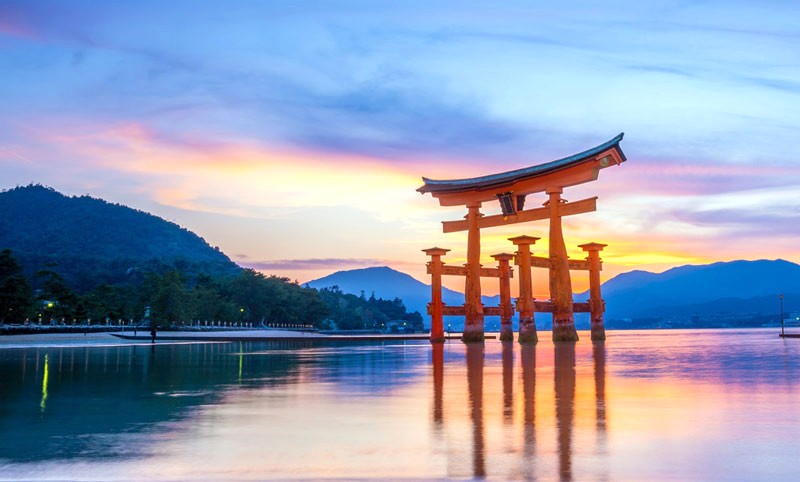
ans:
x=569 y=171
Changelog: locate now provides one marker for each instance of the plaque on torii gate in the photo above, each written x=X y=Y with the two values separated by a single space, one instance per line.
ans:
x=511 y=189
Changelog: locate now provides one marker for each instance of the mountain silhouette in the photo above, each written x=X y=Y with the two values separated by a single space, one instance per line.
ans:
x=389 y=283
x=724 y=286
x=386 y=283
x=90 y=241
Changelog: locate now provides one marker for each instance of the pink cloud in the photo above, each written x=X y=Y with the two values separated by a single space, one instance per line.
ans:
x=13 y=24
x=676 y=178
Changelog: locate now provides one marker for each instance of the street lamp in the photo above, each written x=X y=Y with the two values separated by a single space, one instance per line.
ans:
x=782 y=323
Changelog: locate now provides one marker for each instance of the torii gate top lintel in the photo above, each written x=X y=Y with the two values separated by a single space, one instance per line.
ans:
x=569 y=171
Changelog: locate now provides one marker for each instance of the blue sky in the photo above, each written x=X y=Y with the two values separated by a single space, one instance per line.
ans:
x=293 y=134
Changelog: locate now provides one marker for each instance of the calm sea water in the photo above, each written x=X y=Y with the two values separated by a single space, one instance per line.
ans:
x=650 y=405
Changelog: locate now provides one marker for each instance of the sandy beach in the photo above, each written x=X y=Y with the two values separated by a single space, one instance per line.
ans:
x=109 y=338
x=59 y=339
x=164 y=337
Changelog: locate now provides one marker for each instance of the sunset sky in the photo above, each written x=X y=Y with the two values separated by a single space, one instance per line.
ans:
x=293 y=135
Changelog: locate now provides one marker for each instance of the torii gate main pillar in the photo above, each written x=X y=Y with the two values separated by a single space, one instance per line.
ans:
x=560 y=280
x=473 y=306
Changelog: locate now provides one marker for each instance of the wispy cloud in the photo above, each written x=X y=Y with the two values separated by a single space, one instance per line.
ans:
x=399 y=123
x=663 y=69
x=314 y=264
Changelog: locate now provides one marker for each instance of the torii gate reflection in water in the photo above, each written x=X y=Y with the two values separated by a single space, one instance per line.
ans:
x=510 y=189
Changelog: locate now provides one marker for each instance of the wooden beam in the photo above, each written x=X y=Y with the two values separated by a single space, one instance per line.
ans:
x=460 y=311
x=454 y=311
x=462 y=271
x=567 y=209
x=539 y=307
x=578 y=264
x=547 y=307
x=540 y=262
x=574 y=264
x=492 y=311
x=581 y=308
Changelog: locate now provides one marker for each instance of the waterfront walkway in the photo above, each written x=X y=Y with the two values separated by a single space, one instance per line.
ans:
x=272 y=335
x=163 y=337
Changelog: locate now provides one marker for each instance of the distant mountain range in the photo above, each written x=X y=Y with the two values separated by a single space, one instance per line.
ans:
x=735 y=293
x=90 y=241
x=387 y=283
x=752 y=286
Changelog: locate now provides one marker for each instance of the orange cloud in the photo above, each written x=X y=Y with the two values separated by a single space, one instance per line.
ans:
x=248 y=175
x=646 y=226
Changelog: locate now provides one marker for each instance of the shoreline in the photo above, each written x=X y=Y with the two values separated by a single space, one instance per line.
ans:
x=126 y=338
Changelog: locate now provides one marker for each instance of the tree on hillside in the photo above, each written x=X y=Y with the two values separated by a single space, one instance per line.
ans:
x=208 y=302
x=350 y=312
x=56 y=298
x=15 y=292
x=172 y=302
x=106 y=301
x=272 y=299
x=314 y=311
x=42 y=226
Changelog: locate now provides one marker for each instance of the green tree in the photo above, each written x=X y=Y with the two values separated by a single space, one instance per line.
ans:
x=414 y=321
x=57 y=299
x=273 y=299
x=172 y=303
x=112 y=302
x=314 y=309
x=16 y=299
x=350 y=312
x=253 y=296
x=208 y=302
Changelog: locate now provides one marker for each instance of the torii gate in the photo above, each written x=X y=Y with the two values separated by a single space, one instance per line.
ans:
x=510 y=189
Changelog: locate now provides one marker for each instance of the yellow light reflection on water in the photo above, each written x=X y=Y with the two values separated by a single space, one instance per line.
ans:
x=241 y=358
x=43 y=403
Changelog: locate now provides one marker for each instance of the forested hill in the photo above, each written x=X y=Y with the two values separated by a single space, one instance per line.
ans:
x=91 y=242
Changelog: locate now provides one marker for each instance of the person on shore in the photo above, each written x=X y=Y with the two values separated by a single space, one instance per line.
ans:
x=153 y=334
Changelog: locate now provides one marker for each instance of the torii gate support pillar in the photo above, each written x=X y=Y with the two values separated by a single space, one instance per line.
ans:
x=527 y=324
x=596 y=303
x=436 y=307
x=506 y=310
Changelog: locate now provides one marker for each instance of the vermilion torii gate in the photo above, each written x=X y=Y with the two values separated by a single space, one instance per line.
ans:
x=511 y=189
